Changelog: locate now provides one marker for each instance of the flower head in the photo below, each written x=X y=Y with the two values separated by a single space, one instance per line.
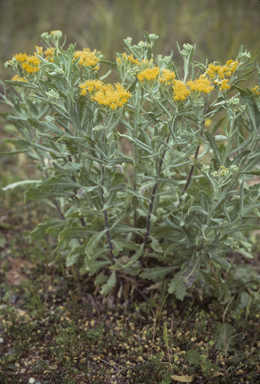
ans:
x=21 y=57
x=149 y=74
x=167 y=77
x=202 y=84
x=38 y=50
x=49 y=54
x=256 y=90
x=31 y=65
x=87 y=58
x=224 y=85
x=106 y=95
x=181 y=92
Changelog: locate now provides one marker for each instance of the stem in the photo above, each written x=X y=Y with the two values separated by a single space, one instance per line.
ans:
x=105 y=213
x=75 y=191
x=196 y=153
x=190 y=175
x=148 y=225
x=55 y=200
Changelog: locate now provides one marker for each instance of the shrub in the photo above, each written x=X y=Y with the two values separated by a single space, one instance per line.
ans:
x=174 y=204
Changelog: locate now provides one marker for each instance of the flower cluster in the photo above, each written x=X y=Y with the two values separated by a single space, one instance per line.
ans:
x=49 y=54
x=202 y=84
x=223 y=171
x=218 y=73
x=167 y=77
x=87 y=58
x=256 y=90
x=129 y=65
x=29 y=63
x=18 y=78
x=149 y=74
x=107 y=95
x=180 y=90
x=129 y=59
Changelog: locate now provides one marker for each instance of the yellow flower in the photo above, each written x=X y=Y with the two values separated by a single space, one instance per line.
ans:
x=232 y=65
x=21 y=57
x=224 y=85
x=107 y=95
x=87 y=58
x=213 y=70
x=167 y=77
x=181 y=92
x=149 y=74
x=31 y=65
x=256 y=90
x=38 y=50
x=208 y=122
x=18 y=78
x=133 y=60
x=202 y=84
x=49 y=53
x=219 y=71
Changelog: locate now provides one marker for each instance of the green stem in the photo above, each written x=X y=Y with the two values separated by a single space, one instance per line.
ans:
x=148 y=224
x=105 y=213
x=190 y=175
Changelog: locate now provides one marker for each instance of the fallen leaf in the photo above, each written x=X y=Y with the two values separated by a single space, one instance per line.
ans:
x=183 y=378
x=218 y=374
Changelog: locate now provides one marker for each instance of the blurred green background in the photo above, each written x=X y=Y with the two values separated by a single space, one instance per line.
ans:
x=217 y=27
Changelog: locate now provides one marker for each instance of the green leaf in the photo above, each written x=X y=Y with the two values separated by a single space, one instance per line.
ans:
x=221 y=261
x=46 y=127
x=13 y=153
x=193 y=357
x=239 y=157
x=106 y=288
x=40 y=231
x=156 y=274
x=254 y=172
x=93 y=242
x=19 y=183
x=101 y=279
x=177 y=287
x=22 y=84
x=138 y=143
x=226 y=338
x=156 y=245
x=213 y=145
x=217 y=125
x=135 y=256
x=220 y=137
x=109 y=63
x=190 y=273
x=93 y=266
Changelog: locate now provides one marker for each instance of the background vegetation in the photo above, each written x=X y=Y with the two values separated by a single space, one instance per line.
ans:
x=217 y=27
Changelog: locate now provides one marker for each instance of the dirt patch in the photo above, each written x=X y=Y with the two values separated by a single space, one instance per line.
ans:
x=14 y=275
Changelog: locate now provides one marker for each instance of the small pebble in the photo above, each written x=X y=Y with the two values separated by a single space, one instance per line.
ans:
x=1 y=340
x=31 y=380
